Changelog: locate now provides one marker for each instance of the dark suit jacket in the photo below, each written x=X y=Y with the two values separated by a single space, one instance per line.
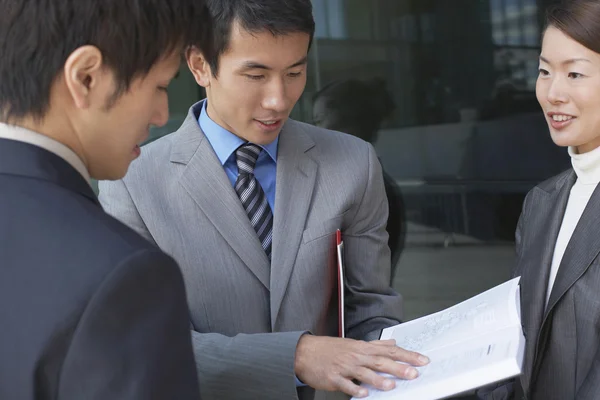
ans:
x=88 y=309
x=562 y=356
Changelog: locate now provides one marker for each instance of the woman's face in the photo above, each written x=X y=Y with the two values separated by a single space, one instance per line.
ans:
x=568 y=89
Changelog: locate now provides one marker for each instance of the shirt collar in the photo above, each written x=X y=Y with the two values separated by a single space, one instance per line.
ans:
x=20 y=134
x=226 y=143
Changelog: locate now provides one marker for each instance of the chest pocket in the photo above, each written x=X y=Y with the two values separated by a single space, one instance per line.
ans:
x=322 y=229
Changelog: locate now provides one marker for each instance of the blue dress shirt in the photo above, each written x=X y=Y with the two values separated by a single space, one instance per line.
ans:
x=225 y=143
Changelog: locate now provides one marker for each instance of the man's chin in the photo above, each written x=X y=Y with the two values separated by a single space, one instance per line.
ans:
x=263 y=139
x=109 y=174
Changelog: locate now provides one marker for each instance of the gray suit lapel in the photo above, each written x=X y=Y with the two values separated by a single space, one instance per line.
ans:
x=205 y=180
x=296 y=174
x=582 y=249
x=534 y=278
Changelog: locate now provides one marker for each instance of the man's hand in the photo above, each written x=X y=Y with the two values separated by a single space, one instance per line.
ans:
x=328 y=363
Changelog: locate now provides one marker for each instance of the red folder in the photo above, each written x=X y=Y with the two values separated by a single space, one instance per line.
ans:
x=340 y=276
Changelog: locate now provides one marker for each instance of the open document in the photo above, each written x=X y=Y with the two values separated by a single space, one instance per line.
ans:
x=472 y=344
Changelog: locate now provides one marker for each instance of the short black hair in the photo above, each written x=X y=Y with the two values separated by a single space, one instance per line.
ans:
x=37 y=37
x=280 y=17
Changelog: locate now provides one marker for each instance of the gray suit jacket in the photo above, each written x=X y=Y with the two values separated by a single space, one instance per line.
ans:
x=562 y=358
x=248 y=314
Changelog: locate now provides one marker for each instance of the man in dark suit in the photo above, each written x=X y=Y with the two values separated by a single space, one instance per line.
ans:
x=88 y=309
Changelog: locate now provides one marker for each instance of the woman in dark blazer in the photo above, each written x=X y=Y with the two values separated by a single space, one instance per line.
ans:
x=558 y=235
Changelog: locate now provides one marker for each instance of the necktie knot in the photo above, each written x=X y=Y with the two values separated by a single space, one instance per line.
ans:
x=246 y=156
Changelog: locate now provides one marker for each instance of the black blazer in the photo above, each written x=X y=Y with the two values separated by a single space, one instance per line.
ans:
x=562 y=352
x=88 y=309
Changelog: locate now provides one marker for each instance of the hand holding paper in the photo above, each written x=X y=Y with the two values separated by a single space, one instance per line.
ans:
x=327 y=363
x=472 y=344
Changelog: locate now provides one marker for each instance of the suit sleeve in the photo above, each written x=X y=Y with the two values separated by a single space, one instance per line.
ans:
x=116 y=201
x=133 y=340
x=371 y=304
x=254 y=366
x=591 y=385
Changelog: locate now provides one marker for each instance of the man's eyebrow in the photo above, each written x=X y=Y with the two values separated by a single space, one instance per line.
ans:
x=257 y=65
x=254 y=65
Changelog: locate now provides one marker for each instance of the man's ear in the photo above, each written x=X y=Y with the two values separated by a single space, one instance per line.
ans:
x=198 y=66
x=83 y=74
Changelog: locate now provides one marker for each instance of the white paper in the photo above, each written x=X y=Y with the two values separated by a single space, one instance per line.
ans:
x=471 y=344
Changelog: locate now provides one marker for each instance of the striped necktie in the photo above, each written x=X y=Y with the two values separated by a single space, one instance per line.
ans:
x=252 y=196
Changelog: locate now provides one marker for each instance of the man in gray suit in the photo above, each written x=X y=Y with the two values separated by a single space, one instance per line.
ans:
x=248 y=202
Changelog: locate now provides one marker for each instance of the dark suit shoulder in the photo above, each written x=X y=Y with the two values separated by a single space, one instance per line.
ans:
x=556 y=181
x=72 y=230
x=59 y=249
x=545 y=188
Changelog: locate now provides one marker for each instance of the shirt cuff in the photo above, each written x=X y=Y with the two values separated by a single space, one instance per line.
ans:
x=298 y=382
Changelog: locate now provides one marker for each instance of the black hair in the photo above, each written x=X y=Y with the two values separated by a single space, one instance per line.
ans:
x=279 y=17
x=37 y=37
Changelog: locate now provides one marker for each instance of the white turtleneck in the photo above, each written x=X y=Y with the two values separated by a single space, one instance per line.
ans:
x=587 y=169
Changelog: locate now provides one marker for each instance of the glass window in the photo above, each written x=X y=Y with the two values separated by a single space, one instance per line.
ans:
x=464 y=139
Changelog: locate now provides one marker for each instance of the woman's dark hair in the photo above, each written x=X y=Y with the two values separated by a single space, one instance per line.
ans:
x=578 y=19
